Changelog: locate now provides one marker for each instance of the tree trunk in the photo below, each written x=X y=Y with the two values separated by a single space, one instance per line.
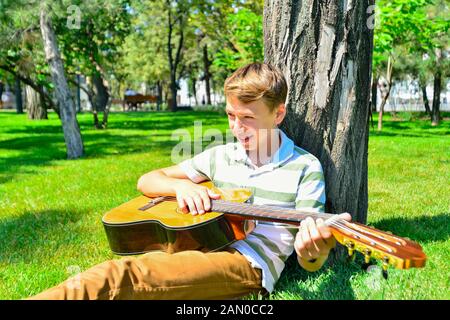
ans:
x=207 y=76
x=71 y=129
x=107 y=107
x=324 y=49
x=194 y=90
x=160 y=95
x=173 y=94
x=426 y=102
x=374 y=94
x=174 y=62
x=385 y=94
x=18 y=94
x=36 y=108
x=100 y=99
x=435 y=114
x=78 y=77
x=1 y=93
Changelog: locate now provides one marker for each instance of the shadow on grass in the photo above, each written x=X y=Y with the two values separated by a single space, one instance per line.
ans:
x=335 y=277
x=127 y=121
x=334 y=285
x=23 y=237
x=422 y=229
x=46 y=144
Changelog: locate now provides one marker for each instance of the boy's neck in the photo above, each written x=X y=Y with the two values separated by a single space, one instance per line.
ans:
x=261 y=158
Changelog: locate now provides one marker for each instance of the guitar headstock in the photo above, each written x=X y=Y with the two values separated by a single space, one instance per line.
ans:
x=402 y=253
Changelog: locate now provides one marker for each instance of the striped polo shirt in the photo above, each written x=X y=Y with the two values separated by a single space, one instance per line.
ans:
x=292 y=179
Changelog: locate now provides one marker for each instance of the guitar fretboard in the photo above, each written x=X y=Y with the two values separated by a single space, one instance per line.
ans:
x=266 y=212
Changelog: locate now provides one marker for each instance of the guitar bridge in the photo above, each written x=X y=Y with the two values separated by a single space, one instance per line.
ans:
x=152 y=203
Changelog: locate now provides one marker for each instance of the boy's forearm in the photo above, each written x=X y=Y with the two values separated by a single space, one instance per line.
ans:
x=156 y=183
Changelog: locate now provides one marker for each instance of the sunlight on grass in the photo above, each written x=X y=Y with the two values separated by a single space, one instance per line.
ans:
x=51 y=208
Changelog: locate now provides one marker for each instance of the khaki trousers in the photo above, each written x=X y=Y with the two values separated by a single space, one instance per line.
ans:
x=158 y=275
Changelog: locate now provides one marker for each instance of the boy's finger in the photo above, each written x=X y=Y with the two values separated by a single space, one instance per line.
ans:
x=182 y=205
x=323 y=229
x=300 y=247
x=317 y=243
x=198 y=204
x=307 y=241
x=191 y=205
x=206 y=202
x=213 y=195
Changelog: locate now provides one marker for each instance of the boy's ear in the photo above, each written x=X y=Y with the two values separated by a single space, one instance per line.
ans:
x=281 y=113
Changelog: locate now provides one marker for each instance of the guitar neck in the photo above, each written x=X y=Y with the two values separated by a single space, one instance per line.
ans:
x=266 y=212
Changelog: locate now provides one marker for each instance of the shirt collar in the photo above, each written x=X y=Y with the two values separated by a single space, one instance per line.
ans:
x=284 y=152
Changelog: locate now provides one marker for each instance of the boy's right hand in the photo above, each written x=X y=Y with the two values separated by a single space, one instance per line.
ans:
x=194 y=198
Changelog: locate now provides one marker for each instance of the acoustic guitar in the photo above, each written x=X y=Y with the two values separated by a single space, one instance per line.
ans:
x=146 y=224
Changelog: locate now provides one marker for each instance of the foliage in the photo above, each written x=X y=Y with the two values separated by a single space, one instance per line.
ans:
x=247 y=38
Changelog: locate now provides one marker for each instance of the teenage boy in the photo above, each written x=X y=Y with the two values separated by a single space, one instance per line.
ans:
x=265 y=160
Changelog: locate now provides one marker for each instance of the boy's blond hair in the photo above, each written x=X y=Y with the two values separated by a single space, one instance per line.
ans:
x=255 y=81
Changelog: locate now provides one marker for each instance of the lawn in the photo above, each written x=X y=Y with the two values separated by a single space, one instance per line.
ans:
x=51 y=208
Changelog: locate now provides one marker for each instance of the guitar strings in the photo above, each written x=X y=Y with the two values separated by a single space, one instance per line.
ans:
x=335 y=223
x=338 y=224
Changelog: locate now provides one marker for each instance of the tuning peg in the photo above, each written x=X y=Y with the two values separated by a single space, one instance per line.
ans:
x=366 y=263
x=351 y=250
x=367 y=253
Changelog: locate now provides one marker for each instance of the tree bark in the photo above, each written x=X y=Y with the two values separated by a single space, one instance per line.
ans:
x=160 y=95
x=174 y=61
x=194 y=90
x=71 y=129
x=324 y=49
x=426 y=102
x=374 y=94
x=36 y=108
x=18 y=94
x=1 y=93
x=207 y=76
x=100 y=99
x=385 y=94
x=435 y=113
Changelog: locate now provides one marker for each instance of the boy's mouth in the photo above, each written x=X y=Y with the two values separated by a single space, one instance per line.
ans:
x=244 y=139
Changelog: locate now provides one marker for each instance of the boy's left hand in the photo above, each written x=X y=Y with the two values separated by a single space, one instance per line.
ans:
x=314 y=239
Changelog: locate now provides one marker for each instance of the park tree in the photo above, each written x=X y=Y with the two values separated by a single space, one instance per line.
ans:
x=91 y=34
x=177 y=14
x=155 y=53
x=227 y=31
x=22 y=58
x=411 y=24
x=324 y=49
x=436 y=50
x=71 y=129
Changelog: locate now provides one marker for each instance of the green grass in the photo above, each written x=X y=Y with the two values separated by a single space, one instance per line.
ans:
x=51 y=208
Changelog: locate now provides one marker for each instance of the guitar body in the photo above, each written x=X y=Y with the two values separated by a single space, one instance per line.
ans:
x=136 y=227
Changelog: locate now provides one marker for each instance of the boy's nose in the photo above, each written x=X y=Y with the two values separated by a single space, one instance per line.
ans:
x=237 y=125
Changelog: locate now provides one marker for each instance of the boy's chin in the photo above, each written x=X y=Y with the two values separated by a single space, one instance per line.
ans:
x=249 y=146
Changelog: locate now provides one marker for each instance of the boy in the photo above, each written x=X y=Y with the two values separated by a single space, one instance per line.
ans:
x=265 y=160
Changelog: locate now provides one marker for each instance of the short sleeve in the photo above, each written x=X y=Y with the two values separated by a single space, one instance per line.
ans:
x=200 y=167
x=311 y=189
